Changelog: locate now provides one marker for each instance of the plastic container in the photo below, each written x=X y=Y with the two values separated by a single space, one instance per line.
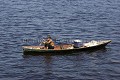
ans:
x=77 y=43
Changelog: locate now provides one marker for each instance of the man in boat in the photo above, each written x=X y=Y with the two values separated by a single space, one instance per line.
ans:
x=48 y=43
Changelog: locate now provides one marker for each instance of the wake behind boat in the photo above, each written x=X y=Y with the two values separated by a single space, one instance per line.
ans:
x=64 y=48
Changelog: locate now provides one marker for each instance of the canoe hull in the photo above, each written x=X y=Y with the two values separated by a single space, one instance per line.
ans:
x=62 y=51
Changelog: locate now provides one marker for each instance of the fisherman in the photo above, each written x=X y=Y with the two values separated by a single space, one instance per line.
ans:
x=48 y=43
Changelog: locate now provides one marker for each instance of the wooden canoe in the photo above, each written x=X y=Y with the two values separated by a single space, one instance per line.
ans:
x=61 y=49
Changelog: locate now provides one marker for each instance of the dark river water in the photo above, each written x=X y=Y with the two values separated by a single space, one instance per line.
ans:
x=25 y=22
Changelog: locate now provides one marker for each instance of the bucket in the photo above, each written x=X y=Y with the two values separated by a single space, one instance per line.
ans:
x=77 y=43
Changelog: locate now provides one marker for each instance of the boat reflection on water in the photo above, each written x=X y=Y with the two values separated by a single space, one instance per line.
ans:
x=104 y=49
x=48 y=67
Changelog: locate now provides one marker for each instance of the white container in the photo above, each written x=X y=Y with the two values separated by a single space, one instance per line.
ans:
x=77 y=43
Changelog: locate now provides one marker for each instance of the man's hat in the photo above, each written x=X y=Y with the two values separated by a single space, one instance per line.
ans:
x=49 y=36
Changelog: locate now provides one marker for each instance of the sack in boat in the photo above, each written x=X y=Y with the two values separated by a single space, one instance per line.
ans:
x=71 y=47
